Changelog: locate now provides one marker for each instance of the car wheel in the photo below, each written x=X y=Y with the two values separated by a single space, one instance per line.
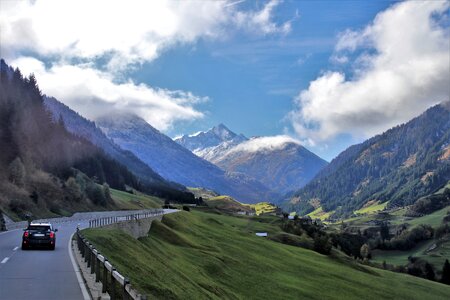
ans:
x=24 y=247
x=52 y=247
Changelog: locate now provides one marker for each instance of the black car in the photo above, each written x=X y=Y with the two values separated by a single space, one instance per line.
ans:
x=39 y=234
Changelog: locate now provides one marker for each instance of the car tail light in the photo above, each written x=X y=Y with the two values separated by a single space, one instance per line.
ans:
x=25 y=234
x=52 y=235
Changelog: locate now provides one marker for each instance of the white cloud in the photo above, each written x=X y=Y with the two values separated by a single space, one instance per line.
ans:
x=93 y=93
x=87 y=45
x=261 y=21
x=267 y=143
x=122 y=32
x=401 y=67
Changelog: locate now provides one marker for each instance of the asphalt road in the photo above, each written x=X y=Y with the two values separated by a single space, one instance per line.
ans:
x=40 y=274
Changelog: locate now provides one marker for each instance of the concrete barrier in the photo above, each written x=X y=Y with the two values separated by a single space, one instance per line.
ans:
x=136 y=228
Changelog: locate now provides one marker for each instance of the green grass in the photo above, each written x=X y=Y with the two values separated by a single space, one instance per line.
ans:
x=262 y=207
x=318 y=213
x=226 y=203
x=137 y=200
x=370 y=209
x=199 y=255
x=434 y=219
x=436 y=257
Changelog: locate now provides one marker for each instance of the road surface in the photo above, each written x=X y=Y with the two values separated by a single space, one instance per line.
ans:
x=41 y=274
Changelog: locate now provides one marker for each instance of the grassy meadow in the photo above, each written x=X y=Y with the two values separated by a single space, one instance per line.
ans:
x=137 y=200
x=202 y=255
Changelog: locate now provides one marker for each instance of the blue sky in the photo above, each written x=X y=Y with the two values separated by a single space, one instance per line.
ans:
x=251 y=81
x=329 y=73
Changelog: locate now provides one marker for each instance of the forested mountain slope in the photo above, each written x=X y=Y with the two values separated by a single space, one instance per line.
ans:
x=40 y=161
x=401 y=165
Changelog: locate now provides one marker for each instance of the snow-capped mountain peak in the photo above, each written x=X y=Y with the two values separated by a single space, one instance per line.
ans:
x=280 y=162
x=210 y=138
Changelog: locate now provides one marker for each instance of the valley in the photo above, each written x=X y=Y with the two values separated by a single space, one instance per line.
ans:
x=224 y=150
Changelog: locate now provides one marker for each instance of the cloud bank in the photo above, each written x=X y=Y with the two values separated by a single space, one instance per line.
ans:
x=80 y=50
x=267 y=143
x=93 y=93
x=123 y=32
x=400 y=67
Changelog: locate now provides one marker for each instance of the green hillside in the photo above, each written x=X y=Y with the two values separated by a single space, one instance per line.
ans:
x=136 y=200
x=200 y=255
x=400 y=166
x=227 y=203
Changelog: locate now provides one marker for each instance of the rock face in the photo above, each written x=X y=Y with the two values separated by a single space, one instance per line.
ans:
x=401 y=165
x=176 y=163
x=279 y=162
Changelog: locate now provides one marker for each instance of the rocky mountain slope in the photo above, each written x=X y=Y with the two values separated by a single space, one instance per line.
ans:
x=176 y=163
x=401 y=165
x=280 y=162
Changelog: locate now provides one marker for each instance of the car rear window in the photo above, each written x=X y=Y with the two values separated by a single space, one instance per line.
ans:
x=39 y=227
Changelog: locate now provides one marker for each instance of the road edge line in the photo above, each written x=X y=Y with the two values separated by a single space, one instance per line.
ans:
x=77 y=270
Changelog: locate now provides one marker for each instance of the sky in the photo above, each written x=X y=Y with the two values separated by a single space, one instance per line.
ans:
x=326 y=73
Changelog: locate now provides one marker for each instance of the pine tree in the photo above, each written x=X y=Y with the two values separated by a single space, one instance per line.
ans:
x=429 y=272
x=446 y=273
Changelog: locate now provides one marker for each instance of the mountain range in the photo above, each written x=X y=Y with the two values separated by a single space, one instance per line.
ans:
x=80 y=126
x=399 y=166
x=176 y=163
x=280 y=163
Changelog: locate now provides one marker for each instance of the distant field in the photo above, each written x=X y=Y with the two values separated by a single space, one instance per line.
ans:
x=434 y=219
x=199 y=255
x=137 y=200
x=318 y=213
x=262 y=207
x=375 y=207
x=436 y=257
x=227 y=203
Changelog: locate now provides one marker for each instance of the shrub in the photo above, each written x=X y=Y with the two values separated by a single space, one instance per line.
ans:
x=186 y=208
x=322 y=244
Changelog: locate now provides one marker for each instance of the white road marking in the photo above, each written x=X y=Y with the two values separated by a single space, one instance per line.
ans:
x=5 y=260
x=77 y=271
x=16 y=248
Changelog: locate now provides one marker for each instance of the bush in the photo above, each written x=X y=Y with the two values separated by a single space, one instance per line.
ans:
x=409 y=239
x=186 y=208
x=293 y=240
x=322 y=244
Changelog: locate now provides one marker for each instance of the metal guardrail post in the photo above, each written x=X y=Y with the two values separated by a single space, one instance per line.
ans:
x=104 y=277
x=97 y=268
x=92 y=260
x=124 y=290
x=112 y=287
x=86 y=253
x=82 y=247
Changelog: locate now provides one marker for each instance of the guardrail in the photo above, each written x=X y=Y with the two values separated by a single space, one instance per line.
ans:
x=113 y=283
x=118 y=216
x=93 y=223
x=16 y=225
